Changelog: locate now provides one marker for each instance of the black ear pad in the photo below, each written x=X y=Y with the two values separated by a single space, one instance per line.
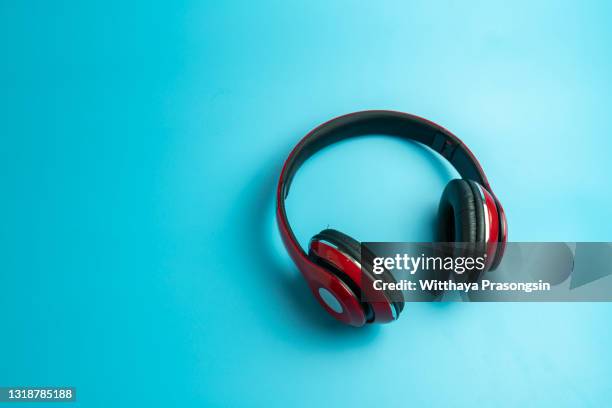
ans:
x=461 y=215
x=352 y=248
x=479 y=204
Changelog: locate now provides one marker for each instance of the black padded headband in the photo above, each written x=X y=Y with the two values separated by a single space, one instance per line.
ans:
x=380 y=122
x=389 y=123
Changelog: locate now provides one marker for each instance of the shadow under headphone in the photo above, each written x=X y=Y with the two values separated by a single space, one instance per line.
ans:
x=468 y=212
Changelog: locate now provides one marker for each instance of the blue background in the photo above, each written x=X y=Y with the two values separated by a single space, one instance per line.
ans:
x=140 y=146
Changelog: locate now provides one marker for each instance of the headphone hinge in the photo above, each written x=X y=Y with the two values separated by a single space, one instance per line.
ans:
x=444 y=145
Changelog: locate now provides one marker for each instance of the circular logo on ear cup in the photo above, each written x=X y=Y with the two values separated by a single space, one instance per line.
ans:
x=330 y=300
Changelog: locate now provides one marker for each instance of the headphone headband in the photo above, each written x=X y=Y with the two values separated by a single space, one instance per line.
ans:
x=383 y=122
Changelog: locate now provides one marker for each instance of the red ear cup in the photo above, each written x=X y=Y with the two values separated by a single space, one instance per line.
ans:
x=341 y=256
x=468 y=213
x=336 y=296
x=503 y=230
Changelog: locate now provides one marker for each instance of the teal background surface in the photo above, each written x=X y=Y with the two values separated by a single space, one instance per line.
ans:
x=140 y=146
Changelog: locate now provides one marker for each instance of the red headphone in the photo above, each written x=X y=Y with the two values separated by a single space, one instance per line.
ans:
x=468 y=212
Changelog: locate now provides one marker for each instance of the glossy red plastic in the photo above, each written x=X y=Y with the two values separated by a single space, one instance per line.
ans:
x=319 y=277
x=377 y=299
x=493 y=224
